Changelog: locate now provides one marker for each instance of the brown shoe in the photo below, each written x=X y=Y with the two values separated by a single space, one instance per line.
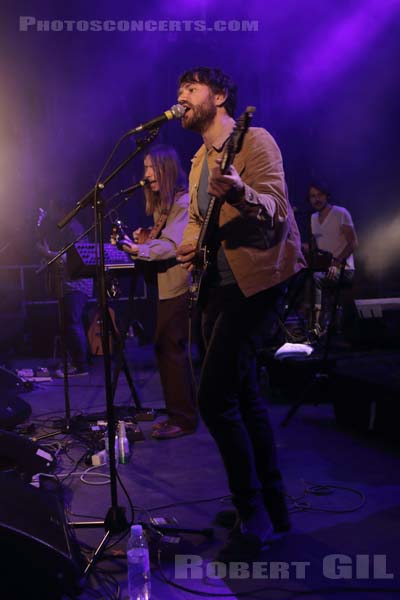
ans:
x=170 y=432
x=160 y=425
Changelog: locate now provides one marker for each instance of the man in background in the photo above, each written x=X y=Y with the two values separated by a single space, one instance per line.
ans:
x=74 y=293
x=332 y=231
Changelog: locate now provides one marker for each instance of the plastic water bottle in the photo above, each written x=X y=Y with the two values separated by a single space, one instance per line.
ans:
x=138 y=565
x=123 y=444
x=116 y=448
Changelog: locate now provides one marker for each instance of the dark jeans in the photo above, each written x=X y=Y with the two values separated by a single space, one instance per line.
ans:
x=328 y=287
x=328 y=292
x=75 y=337
x=170 y=347
x=229 y=399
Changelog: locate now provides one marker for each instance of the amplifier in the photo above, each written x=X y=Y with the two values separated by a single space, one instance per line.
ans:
x=40 y=557
x=82 y=259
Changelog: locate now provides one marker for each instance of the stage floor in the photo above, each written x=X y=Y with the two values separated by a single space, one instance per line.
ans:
x=343 y=490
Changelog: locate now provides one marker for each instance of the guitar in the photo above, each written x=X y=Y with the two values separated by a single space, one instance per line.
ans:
x=55 y=273
x=119 y=231
x=148 y=269
x=94 y=332
x=203 y=253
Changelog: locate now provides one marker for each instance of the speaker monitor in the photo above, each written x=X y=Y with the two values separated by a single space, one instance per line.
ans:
x=376 y=321
x=40 y=558
x=13 y=410
x=20 y=454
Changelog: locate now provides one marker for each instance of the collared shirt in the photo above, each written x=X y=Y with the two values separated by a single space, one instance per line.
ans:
x=258 y=232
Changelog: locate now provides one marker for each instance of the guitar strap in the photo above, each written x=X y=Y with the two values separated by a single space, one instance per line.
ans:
x=158 y=225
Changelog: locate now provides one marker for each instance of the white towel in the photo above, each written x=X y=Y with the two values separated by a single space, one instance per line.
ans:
x=293 y=350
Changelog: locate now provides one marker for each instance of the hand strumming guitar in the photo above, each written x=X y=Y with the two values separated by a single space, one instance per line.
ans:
x=141 y=235
x=185 y=254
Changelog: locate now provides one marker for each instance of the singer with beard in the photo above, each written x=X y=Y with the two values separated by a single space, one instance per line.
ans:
x=167 y=201
x=258 y=250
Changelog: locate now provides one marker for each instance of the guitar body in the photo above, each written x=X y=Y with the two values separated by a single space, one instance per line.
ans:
x=94 y=332
x=198 y=277
x=203 y=258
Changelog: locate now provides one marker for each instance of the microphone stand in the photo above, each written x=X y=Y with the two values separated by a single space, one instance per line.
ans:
x=115 y=521
x=66 y=423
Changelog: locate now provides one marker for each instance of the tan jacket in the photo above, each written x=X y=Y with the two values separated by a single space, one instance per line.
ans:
x=172 y=280
x=259 y=233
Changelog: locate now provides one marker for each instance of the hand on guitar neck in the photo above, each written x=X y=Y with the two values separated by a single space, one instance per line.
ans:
x=120 y=239
x=227 y=185
x=140 y=236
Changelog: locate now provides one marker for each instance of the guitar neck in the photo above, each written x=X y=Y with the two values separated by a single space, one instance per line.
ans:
x=210 y=215
x=213 y=206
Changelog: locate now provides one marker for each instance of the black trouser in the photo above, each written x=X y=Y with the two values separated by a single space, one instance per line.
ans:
x=229 y=400
x=74 y=305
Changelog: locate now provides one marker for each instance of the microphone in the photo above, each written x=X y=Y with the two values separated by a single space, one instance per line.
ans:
x=175 y=112
x=135 y=186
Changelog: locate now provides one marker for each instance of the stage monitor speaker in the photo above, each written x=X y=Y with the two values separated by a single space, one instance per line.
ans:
x=13 y=410
x=20 y=454
x=376 y=322
x=10 y=381
x=40 y=557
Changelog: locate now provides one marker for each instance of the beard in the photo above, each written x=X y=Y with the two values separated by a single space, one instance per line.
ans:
x=319 y=206
x=200 y=116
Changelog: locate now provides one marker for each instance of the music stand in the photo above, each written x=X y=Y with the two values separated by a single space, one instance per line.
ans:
x=119 y=338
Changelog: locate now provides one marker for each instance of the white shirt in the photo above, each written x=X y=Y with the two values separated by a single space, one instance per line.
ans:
x=329 y=235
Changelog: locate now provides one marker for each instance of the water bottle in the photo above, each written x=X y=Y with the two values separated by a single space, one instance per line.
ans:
x=137 y=552
x=123 y=443
x=116 y=448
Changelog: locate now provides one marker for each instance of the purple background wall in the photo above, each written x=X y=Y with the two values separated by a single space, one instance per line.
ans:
x=323 y=76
